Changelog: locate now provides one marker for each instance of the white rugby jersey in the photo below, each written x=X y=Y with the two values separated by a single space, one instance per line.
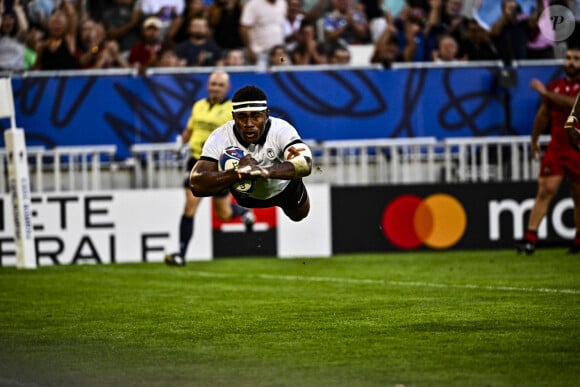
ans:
x=278 y=135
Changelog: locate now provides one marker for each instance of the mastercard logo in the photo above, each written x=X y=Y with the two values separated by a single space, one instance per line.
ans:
x=437 y=221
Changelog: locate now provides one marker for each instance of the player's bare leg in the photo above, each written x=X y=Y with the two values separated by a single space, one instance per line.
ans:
x=225 y=209
x=547 y=188
x=222 y=207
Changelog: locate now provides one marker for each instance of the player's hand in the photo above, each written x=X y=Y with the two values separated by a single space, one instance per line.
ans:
x=535 y=150
x=248 y=168
x=537 y=85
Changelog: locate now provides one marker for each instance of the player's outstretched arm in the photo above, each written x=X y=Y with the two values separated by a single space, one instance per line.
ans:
x=206 y=180
x=283 y=171
x=297 y=164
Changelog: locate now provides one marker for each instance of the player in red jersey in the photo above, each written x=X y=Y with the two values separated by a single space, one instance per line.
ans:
x=560 y=159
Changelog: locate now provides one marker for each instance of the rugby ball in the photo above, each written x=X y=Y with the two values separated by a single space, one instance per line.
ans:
x=229 y=159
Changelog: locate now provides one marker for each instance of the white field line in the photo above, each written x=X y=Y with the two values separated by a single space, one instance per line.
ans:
x=363 y=281
x=15 y=383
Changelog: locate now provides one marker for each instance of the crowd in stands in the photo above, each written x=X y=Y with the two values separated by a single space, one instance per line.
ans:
x=99 y=34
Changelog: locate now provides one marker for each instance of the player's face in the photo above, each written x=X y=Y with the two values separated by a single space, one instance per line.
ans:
x=572 y=63
x=250 y=125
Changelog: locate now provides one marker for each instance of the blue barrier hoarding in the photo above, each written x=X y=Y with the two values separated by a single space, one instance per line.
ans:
x=324 y=105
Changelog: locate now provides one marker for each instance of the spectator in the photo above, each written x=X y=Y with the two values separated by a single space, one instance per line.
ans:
x=386 y=50
x=169 y=12
x=224 y=20
x=539 y=46
x=296 y=14
x=422 y=5
x=345 y=25
x=262 y=27
x=80 y=7
x=168 y=58
x=39 y=11
x=314 y=9
x=94 y=51
x=394 y=7
x=415 y=45
x=511 y=31
x=445 y=17
x=145 y=52
x=34 y=37
x=447 y=49
x=378 y=18
x=294 y=17
x=13 y=28
x=574 y=6
x=340 y=55
x=455 y=13
x=199 y=50
x=57 y=50
x=89 y=43
x=477 y=44
x=308 y=50
x=279 y=56
x=122 y=20
x=233 y=57
x=194 y=9
x=94 y=9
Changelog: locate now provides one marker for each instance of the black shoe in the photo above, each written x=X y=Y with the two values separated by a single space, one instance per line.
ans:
x=174 y=260
x=249 y=219
x=574 y=250
x=525 y=247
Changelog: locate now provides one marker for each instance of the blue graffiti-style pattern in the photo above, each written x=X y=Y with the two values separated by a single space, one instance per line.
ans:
x=323 y=105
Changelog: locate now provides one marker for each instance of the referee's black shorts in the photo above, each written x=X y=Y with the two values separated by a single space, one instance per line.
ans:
x=292 y=197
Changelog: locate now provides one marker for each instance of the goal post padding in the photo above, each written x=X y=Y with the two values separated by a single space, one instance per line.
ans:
x=18 y=181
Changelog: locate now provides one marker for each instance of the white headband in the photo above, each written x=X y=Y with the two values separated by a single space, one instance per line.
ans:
x=249 y=106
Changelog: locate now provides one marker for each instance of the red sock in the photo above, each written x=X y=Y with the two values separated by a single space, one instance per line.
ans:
x=532 y=236
x=577 y=239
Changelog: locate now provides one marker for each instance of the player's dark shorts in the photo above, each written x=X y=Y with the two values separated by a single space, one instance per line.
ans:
x=293 y=196
x=563 y=160
x=190 y=163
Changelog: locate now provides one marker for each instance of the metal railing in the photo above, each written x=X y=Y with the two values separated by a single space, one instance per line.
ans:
x=341 y=162
x=66 y=168
x=490 y=159
x=375 y=161
x=425 y=160
x=157 y=165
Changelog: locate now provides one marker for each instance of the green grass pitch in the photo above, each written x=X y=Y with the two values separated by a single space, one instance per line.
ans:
x=485 y=318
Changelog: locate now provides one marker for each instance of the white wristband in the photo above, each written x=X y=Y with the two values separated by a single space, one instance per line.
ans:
x=297 y=154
